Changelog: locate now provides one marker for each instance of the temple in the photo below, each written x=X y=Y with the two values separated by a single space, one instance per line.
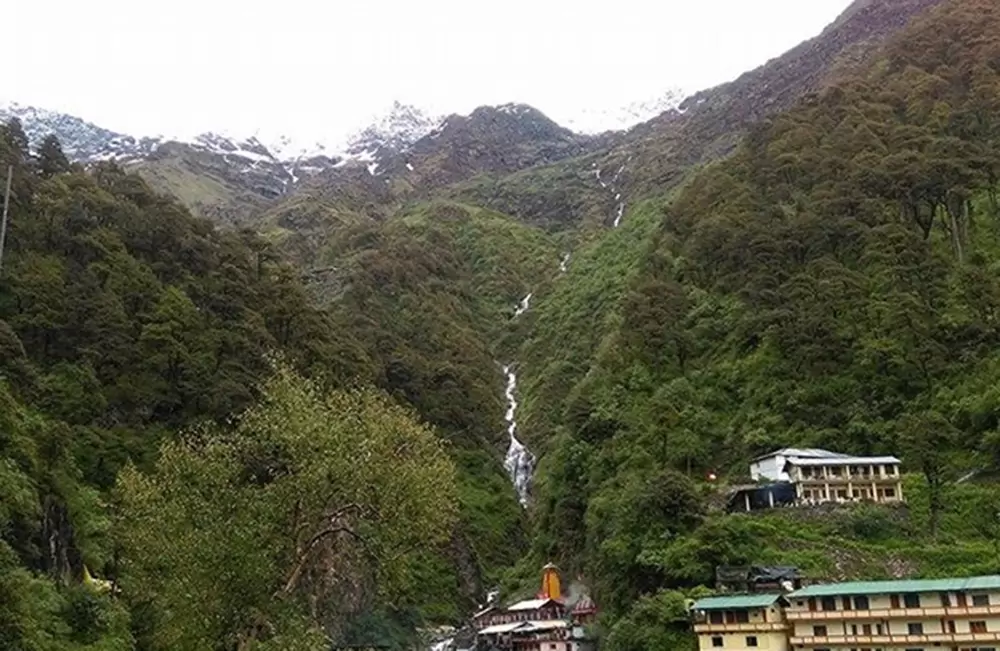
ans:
x=549 y=622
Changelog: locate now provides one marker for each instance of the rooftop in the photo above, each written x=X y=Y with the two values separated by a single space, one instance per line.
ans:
x=802 y=453
x=991 y=582
x=524 y=627
x=530 y=604
x=500 y=628
x=736 y=601
x=844 y=461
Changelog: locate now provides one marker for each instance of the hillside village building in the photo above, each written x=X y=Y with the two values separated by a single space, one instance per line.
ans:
x=741 y=622
x=814 y=476
x=546 y=623
x=961 y=614
x=926 y=615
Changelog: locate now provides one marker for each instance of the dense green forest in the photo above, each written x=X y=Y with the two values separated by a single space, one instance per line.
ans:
x=137 y=344
x=832 y=284
x=196 y=453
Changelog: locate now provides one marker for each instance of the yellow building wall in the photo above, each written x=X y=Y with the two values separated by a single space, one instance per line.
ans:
x=767 y=641
x=842 y=624
x=884 y=602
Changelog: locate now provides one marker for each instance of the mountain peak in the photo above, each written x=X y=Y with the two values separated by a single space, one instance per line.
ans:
x=398 y=128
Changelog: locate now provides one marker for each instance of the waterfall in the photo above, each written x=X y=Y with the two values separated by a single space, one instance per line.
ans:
x=520 y=462
x=612 y=188
x=564 y=263
x=523 y=306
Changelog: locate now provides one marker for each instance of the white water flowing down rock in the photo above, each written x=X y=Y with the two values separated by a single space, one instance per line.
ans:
x=612 y=187
x=520 y=462
x=564 y=263
x=523 y=306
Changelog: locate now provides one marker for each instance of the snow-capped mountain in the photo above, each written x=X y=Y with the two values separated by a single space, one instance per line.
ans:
x=82 y=141
x=397 y=129
x=85 y=142
x=621 y=118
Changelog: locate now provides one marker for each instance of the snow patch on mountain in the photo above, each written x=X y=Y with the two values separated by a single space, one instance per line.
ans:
x=592 y=120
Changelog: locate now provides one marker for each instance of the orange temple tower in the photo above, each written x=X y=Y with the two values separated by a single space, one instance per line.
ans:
x=550 y=583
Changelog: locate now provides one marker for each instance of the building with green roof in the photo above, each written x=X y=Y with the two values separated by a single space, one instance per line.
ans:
x=961 y=614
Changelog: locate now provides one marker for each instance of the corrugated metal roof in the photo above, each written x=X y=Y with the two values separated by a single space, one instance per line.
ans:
x=524 y=627
x=843 y=461
x=804 y=453
x=891 y=587
x=499 y=628
x=545 y=625
x=530 y=604
x=736 y=601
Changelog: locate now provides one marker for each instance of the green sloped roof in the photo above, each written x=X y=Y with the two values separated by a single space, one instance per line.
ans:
x=735 y=602
x=890 y=587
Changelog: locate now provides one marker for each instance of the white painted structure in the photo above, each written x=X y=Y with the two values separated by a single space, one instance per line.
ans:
x=775 y=466
x=823 y=476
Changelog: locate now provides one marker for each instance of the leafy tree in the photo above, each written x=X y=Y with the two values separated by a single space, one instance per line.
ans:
x=289 y=523
x=928 y=440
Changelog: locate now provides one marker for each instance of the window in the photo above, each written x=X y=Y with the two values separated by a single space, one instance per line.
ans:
x=847 y=603
x=980 y=600
x=866 y=629
x=828 y=603
x=854 y=629
x=915 y=628
x=945 y=599
x=911 y=600
x=717 y=641
x=894 y=601
x=715 y=616
x=730 y=617
x=889 y=492
x=835 y=471
x=819 y=631
x=806 y=472
x=742 y=616
x=878 y=629
x=861 y=603
x=977 y=627
x=751 y=640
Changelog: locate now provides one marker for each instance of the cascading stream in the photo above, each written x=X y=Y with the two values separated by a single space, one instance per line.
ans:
x=520 y=462
x=612 y=187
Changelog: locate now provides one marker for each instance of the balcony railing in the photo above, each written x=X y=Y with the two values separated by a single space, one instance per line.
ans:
x=743 y=627
x=895 y=639
x=933 y=612
x=844 y=479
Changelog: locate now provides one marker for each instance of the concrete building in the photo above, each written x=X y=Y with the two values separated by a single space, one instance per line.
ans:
x=819 y=476
x=955 y=614
x=741 y=623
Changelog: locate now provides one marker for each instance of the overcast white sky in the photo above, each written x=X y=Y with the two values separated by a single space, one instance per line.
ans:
x=318 y=68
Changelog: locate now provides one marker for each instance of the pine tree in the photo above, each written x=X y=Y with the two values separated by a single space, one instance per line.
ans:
x=51 y=159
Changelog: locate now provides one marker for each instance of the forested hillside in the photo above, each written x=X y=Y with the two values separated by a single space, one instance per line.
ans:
x=134 y=339
x=205 y=446
x=832 y=284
